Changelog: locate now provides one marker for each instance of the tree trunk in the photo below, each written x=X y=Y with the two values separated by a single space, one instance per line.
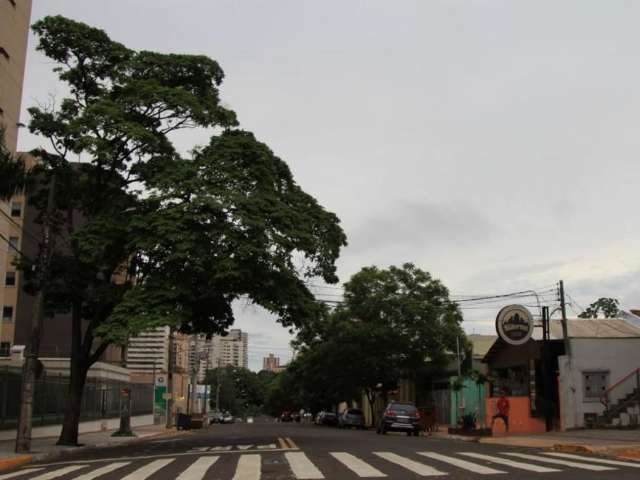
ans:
x=78 y=369
x=69 y=434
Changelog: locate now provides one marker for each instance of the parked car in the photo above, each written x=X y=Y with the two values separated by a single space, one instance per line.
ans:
x=227 y=418
x=286 y=417
x=215 y=417
x=400 y=417
x=351 y=418
x=330 y=419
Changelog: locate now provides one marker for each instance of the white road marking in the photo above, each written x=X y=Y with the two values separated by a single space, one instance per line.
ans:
x=465 y=465
x=244 y=447
x=357 y=466
x=415 y=467
x=302 y=467
x=149 y=469
x=511 y=463
x=225 y=448
x=58 y=473
x=566 y=463
x=594 y=459
x=266 y=447
x=248 y=468
x=21 y=472
x=102 y=471
x=198 y=469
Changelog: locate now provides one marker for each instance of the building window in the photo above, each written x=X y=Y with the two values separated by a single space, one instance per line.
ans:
x=7 y=314
x=594 y=385
x=10 y=279
x=5 y=349
x=13 y=243
x=16 y=209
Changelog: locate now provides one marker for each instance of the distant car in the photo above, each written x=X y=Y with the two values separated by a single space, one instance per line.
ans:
x=296 y=417
x=400 y=417
x=318 y=419
x=227 y=418
x=286 y=417
x=351 y=418
x=215 y=417
x=329 y=419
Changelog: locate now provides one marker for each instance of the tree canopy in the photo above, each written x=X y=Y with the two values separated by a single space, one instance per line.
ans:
x=392 y=323
x=148 y=236
x=607 y=306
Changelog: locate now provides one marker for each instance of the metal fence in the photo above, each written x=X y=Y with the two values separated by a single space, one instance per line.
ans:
x=101 y=398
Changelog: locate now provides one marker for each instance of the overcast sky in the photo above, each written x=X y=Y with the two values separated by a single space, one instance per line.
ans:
x=493 y=143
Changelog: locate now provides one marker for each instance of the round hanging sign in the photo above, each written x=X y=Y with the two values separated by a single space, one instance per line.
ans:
x=514 y=324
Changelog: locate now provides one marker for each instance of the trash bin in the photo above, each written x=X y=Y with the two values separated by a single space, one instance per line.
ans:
x=183 y=422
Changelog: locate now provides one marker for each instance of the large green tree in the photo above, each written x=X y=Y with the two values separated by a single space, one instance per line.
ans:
x=391 y=324
x=149 y=237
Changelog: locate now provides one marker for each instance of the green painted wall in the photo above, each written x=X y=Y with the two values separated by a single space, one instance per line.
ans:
x=472 y=396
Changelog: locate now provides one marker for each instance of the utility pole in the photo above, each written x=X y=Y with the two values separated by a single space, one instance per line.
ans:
x=565 y=329
x=219 y=374
x=194 y=376
x=169 y=423
x=30 y=366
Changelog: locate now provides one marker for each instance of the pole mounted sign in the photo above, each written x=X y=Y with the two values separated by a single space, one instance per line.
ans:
x=514 y=324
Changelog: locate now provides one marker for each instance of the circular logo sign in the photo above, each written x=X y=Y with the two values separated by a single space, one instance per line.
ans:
x=514 y=324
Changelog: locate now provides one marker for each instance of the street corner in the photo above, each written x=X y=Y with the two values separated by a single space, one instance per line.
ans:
x=15 y=461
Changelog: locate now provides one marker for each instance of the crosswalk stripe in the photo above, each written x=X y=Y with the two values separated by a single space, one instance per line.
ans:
x=511 y=463
x=302 y=467
x=248 y=467
x=58 y=473
x=566 y=463
x=20 y=472
x=148 y=470
x=594 y=459
x=415 y=467
x=357 y=466
x=102 y=471
x=198 y=469
x=472 y=467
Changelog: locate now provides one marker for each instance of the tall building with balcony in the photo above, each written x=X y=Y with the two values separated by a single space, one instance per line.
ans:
x=231 y=350
x=15 y=17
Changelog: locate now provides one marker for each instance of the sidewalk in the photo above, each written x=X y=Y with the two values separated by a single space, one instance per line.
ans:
x=617 y=443
x=46 y=448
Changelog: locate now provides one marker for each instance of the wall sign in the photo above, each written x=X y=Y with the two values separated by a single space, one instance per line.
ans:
x=514 y=324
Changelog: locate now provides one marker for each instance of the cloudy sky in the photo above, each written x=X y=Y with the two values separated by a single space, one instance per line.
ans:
x=493 y=143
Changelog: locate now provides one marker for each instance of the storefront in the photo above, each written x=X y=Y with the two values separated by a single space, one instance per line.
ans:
x=524 y=371
x=530 y=387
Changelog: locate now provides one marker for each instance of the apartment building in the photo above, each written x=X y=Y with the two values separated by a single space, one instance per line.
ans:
x=230 y=350
x=148 y=352
x=15 y=17
x=272 y=364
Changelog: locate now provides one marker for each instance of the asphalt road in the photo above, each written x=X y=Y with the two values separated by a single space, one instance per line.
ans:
x=293 y=451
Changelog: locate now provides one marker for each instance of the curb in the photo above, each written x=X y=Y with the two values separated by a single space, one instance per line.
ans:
x=8 y=463
x=573 y=448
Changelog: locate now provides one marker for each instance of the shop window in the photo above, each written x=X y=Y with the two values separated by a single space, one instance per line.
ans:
x=5 y=349
x=7 y=314
x=10 y=279
x=16 y=209
x=594 y=384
